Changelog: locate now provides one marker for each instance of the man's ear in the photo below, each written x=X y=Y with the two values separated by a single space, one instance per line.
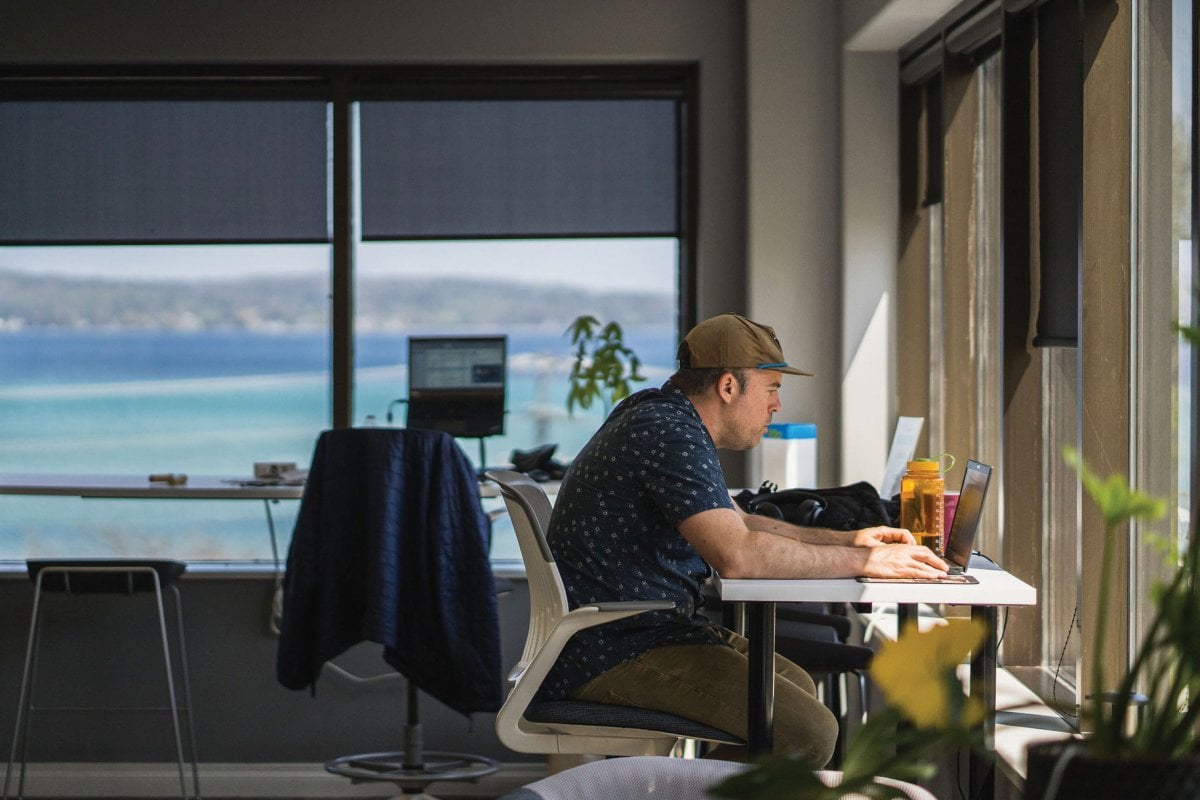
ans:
x=727 y=387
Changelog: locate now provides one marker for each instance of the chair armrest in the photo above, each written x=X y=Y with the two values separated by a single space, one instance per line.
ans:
x=579 y=619
x=527 y=679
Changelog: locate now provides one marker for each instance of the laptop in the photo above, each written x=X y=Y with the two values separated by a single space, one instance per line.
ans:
x=961 y=539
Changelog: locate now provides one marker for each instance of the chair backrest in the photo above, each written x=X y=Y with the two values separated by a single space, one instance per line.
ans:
x=529 y=508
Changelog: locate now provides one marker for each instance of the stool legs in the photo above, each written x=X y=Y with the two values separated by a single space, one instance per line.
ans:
x=187 y=697
x=25 y=706
x=21 y=729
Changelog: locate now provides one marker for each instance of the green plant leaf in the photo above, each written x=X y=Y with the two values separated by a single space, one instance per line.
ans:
x=603 y=368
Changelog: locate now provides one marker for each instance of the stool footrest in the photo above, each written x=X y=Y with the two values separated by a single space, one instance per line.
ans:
x=437 y=766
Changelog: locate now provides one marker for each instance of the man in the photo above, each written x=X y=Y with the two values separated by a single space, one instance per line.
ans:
x=644 y=514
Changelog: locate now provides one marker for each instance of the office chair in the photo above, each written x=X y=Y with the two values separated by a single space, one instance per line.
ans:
x=391 y=546
x=113 y=577
x=665 y=779
x=572 y=727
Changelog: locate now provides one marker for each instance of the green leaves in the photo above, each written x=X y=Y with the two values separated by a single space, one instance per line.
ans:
x=1167 y=661
x=604 y=367
x=1118 y=503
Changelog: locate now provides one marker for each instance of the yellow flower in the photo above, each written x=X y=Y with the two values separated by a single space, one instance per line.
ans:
x=917 y=674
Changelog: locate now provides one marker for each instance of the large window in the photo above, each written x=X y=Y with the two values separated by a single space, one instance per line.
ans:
x=179 y=296
x=1072 y=342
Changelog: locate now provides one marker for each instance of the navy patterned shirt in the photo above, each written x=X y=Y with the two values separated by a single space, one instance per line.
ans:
x=614 y=531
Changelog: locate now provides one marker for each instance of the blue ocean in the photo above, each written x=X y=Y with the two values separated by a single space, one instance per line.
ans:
x=210 y=402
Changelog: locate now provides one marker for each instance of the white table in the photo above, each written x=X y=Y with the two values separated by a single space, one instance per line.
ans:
x=197 y=487
x=996 y=588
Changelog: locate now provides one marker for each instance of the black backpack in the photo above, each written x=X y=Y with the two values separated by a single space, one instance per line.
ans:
x=841 y=508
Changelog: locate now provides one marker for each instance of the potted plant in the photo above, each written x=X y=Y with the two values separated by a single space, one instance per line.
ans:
x=1138 y=745
x=604 y=365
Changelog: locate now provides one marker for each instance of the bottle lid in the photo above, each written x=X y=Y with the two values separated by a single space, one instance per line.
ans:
x=932 y=466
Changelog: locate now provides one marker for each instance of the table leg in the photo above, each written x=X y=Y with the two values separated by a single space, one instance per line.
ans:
x=760 y=685
x=982 y=766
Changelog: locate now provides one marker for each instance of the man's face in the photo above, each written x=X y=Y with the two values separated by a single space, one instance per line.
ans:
x=751 y=411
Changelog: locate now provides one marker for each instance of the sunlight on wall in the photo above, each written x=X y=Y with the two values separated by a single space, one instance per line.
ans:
x=866 y=390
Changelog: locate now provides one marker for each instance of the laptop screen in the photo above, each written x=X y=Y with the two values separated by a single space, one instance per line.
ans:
x=966 y=516
x=456 y=384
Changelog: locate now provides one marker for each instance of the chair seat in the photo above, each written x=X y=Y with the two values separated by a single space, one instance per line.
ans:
x=103 y=575
x=795 y=642
x=582 y=712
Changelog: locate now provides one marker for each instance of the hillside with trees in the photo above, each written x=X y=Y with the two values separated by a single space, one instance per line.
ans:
x=303 y=304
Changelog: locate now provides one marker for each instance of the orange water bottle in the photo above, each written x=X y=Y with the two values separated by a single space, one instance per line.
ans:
x=922 y=502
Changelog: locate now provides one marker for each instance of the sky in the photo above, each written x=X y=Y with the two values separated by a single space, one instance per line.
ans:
x=610 y=264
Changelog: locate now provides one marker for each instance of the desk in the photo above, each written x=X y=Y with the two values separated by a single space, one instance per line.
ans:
x=198 y=487
x=995 y=588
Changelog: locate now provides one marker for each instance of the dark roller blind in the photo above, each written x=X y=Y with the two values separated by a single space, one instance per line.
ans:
x=444 y=169
x=1060 y=166
x=163 y=171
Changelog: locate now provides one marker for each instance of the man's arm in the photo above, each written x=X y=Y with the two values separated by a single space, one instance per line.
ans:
x=867 y=537
x=723 y=540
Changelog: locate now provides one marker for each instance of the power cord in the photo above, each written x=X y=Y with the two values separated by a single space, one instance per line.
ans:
x=1058 y=670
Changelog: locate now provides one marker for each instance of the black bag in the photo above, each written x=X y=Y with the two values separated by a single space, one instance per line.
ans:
x=841 y=508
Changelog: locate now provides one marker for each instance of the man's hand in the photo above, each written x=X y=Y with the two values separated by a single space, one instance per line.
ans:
x=873 y=537
x=903 y=561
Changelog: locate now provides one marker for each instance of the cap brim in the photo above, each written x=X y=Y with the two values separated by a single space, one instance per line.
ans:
x=791 y=371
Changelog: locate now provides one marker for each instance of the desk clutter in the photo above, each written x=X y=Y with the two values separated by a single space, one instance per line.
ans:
x=275 y=473
x=539 y=463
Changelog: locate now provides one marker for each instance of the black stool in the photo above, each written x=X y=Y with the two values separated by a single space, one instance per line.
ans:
x=106 y=576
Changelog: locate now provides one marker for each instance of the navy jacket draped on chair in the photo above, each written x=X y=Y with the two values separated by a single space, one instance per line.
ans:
x=391 y=546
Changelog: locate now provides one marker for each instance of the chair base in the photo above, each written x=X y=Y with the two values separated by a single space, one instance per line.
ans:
x=412 y=780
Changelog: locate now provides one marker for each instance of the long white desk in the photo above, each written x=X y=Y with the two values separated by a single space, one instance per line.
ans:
x=197 y=487
x=996 y=588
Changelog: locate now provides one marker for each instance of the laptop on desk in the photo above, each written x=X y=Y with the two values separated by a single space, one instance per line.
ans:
x=961 y=539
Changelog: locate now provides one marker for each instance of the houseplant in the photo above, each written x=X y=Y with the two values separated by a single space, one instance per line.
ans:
x=604 y=365
x=1137 y=745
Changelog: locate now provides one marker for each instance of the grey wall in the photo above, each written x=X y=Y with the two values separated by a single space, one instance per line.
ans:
x=103 y=649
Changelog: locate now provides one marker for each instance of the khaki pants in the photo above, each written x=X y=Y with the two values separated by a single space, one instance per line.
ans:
x=707 y=683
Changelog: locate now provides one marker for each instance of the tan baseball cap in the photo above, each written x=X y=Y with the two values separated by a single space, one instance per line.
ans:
x=731 y=341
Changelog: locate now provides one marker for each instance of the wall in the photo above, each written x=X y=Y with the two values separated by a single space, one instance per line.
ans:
x=793 y=232
x=95 y=647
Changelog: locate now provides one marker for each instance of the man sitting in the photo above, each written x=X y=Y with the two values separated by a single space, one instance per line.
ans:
x=644 y=514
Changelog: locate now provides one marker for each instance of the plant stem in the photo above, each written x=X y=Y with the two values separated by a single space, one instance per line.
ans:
x=1103 y=737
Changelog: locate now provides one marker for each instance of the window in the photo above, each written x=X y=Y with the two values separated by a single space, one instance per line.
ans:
x=173 y=289
x=1094 y=251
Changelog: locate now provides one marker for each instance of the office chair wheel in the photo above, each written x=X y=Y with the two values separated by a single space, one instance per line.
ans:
x=412 y=780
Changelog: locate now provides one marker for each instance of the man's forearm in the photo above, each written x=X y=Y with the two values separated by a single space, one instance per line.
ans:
x=800 y=533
